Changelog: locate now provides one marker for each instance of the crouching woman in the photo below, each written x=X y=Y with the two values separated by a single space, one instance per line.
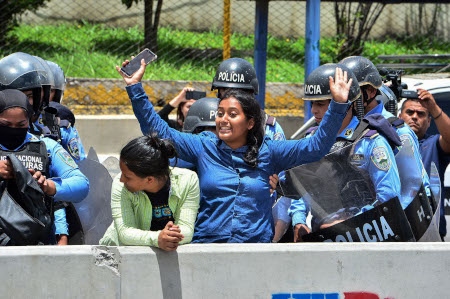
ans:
x=152 y=204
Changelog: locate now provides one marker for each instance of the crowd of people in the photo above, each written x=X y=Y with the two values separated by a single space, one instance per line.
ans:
x=214 y=174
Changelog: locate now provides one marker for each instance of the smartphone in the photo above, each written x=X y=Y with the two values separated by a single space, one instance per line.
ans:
x=135 y=63
x=195 y=95
x=409 y=94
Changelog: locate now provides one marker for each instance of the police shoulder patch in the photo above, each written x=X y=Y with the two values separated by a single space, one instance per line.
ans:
x=34 y=138
x=73 y=148
x=67 y=158
x=380 y=158
x=277 y=136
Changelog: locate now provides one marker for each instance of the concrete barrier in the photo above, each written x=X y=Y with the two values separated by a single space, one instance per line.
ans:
x=343 y=270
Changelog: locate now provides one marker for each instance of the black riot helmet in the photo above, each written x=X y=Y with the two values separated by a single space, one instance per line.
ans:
x=19 y=71
x=60 y=80
x=46 y=78
x=317 y=84
x=364 y=70
x=201 y=114
x=235 y=73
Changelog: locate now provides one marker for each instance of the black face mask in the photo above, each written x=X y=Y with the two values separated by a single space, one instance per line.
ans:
x=11 y=138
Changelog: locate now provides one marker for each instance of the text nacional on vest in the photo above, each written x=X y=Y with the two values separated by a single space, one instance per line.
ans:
x=29 y=161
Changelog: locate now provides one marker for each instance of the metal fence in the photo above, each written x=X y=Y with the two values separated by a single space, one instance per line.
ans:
x=115 y=33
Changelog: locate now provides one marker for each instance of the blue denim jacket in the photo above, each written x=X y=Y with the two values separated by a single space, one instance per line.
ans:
x=235 y=203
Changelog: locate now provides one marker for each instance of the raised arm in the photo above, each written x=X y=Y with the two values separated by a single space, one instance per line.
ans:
x=292 y=153
x=441 y=119
x=187 y=145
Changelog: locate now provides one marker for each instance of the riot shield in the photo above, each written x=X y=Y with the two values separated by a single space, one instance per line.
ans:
x=95 y=210
x=435 y=186
x=92 y=154
x=112 y=165
x=432 y=232
x=446 y=201
x=333 y=187
x=281 y=218
x=343 y=201
x=384 y=223
x=419 y=208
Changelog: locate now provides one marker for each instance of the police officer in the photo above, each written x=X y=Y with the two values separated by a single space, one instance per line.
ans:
x=33 y=76
x=201 y=116
x=70 y=138
x=370 y=82
x=239 y=73
x=53 y=168
x=372 y=153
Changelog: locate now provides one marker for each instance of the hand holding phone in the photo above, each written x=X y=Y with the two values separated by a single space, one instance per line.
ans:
x=195 y=95
x=135 y=63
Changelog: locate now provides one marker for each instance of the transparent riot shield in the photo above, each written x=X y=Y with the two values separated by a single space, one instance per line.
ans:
x=432 y=232
x=446 y=201
x=435 y=186
x=112 y=165
x=92 y=154
x=94 y=211
x=281 y=218
x=409 y=172
x=343 y=201
x=417 y=205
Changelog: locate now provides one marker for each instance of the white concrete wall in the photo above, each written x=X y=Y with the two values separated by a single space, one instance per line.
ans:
x=107 y=134
x=286 y=18
x=384 y=270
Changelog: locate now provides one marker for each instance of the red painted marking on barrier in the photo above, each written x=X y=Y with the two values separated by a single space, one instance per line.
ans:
x=360 y=295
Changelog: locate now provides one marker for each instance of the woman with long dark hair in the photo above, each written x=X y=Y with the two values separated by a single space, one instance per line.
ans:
x=234 y=166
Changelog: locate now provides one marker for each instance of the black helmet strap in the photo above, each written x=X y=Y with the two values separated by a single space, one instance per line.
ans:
x=366 y=99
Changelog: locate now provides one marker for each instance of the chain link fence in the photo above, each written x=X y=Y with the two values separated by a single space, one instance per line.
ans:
x=88 y=38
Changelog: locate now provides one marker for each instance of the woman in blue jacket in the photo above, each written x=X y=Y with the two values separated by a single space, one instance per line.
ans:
x=234 y=166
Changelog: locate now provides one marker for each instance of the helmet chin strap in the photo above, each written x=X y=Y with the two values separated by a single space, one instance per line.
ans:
x=366 y=99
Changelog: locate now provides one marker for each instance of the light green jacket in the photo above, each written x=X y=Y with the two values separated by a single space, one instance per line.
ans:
x=132 y=212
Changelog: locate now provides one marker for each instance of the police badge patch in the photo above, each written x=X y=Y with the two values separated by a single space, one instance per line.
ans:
x=278 y=136
x=348 y=132
x=67 y=158
x=72 y=146
x=380 y=158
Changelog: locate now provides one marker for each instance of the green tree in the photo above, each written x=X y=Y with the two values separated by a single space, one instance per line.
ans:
x=10 y=10
x=354 y=23
x=151 y=22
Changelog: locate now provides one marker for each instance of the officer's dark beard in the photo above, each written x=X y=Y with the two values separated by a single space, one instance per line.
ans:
x=12 y=138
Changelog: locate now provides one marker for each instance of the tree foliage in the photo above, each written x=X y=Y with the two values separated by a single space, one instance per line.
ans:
x=354 y=23
x=151 y=21
x=10 y=10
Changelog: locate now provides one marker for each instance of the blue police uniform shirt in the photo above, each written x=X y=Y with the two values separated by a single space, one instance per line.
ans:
x=405 y=132
x=71 y=185
x=275 y=132
x=431 y=151
x=235 y=204
x=384 y=176
x=70 y=140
